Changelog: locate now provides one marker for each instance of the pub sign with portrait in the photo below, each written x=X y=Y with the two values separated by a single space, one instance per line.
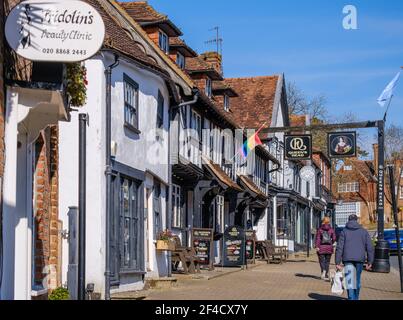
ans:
x=342 y=144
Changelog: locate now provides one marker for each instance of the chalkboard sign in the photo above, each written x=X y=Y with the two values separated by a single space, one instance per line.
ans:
x=250 y=245
x=234 y=247
x=202 y=240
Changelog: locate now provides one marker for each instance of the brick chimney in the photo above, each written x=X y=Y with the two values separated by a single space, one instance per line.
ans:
x=376 y=149
x=214 y=59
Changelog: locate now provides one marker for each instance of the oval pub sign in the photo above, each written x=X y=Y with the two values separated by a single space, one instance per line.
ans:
x=55 y=30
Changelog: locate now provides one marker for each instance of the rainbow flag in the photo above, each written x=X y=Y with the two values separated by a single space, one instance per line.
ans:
x=251 y=143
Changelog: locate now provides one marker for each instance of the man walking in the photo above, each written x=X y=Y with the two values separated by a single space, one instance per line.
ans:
x=354 y=249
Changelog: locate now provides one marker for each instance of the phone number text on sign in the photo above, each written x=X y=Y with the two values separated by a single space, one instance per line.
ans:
x=64 y=51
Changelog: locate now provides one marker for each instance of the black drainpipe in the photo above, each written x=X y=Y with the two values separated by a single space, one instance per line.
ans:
x=83 y=118
x=108 y=172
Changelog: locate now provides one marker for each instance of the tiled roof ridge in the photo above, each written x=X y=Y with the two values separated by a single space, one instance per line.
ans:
x=184 y=75
x=114 y=40
x=147 y=6
x=254 y=77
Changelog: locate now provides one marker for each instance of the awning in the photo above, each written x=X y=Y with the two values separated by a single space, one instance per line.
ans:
x=293 y=196
x=222 y=178
x=319 y=204
x=252 y=188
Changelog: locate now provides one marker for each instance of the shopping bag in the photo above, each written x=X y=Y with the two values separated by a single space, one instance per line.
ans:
x=336 y=279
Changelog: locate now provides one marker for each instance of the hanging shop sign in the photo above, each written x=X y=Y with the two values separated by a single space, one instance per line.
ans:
x=342 y=145
x=234 y=247
x=55 y=30
x=307 y=173
x=298 y=147
x=203 y=241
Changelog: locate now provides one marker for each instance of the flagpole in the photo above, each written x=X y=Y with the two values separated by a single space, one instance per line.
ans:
x=257 y=132
x=387 y=109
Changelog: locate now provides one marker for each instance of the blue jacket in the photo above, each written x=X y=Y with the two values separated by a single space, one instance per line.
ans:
x=354 y=245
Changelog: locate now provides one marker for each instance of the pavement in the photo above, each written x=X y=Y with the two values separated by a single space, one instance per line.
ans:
x=298 y=279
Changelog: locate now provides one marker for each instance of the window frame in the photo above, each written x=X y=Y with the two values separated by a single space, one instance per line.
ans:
x=348 y=187
x=127 y=81
x=177 y=212
x=163 y=41
x=160 y=110
x=180 y=60
x=157 y=209
x=136 y=263
x=209 y=88
x=226 y=103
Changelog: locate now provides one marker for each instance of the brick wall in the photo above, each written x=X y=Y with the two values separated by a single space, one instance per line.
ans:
x=46 y=208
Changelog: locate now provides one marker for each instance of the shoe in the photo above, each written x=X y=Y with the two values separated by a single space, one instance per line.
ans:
x=323 y=275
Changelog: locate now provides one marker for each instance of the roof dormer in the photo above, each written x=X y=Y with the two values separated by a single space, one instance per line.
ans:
x=158 y=26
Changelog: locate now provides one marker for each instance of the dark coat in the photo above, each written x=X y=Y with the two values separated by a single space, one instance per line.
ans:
x=325 y=248
x=354 y=245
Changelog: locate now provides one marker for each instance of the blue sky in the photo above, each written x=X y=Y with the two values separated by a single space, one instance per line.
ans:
x=306 y=41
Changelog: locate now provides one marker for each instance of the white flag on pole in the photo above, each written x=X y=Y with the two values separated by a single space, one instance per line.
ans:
x=388 y=92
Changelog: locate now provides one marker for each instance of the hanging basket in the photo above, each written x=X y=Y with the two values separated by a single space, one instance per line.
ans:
x=165 y=245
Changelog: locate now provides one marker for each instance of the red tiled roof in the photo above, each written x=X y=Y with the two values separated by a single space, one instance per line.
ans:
x=176 y=42
x=297 y=120
x=145 y=14
x=141 y=11
x=224 y=86
x=216 y=171
x=361 y=167
x=198 y=65
x=116 y=38
x=252 y=186
x=254 y=105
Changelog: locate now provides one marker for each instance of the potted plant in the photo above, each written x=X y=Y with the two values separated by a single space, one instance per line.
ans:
x=76 y=84
x=60 y=294
x=165 y=241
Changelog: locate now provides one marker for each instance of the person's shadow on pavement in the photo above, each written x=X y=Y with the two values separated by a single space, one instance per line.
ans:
x=300 y=275
x=317 y=296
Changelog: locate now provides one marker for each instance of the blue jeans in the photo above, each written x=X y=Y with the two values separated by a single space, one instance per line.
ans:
x=354 y=294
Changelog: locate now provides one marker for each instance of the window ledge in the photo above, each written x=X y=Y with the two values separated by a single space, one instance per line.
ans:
x=132 y=128
x=38 y=292
x=129 y=272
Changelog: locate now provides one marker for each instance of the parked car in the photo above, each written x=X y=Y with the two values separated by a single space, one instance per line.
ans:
x=390 y=237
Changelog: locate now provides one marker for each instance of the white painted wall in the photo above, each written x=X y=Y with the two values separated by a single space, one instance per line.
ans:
x=137 y=151
x=143 y=152
x=68 y=175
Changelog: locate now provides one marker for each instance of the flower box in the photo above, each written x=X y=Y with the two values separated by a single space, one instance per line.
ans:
x=165 y=245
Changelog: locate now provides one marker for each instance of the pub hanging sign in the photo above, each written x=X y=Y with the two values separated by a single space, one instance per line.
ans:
x=55 y=30
x=342 y=145
x=298 y=147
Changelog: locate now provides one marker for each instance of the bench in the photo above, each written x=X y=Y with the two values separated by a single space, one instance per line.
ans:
x=269 y=252
x=186 y=256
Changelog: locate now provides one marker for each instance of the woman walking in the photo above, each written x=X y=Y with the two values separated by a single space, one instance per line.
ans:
x=325 y=239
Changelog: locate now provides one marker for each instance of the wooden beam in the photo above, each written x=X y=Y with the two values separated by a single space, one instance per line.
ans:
x=324 y=127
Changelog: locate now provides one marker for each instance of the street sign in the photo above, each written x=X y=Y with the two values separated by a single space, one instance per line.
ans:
x=298 y=147
x=342 y=144
x=55 y=30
